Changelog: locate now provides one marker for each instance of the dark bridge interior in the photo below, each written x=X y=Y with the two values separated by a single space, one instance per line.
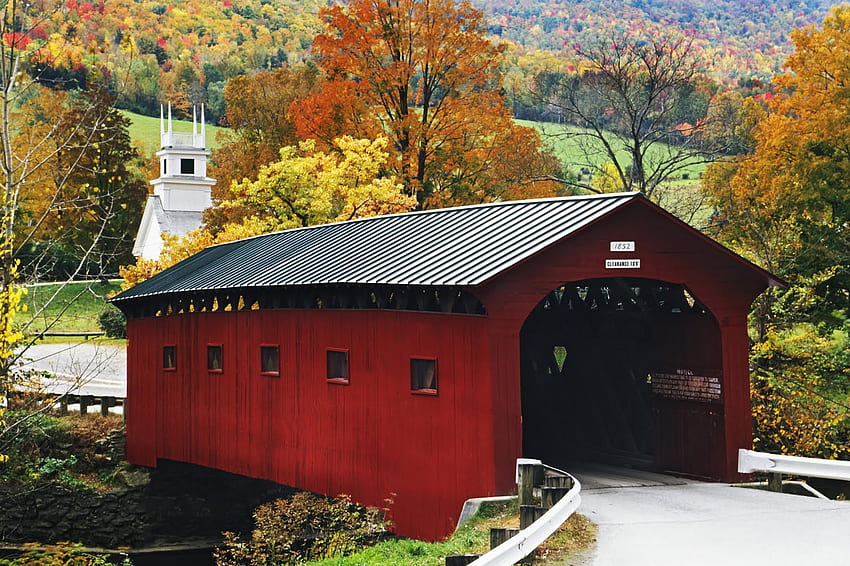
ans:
x=607 y=362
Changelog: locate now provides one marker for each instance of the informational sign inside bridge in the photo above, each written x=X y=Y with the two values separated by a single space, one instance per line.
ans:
x=687 y=385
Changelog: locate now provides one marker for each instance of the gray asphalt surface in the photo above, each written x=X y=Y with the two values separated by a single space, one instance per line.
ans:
x=647 y=522
x=85 y=368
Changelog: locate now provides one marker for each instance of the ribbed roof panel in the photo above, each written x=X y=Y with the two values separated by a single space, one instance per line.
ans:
x=461 y=246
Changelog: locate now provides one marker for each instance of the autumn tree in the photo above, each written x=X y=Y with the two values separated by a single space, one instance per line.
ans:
x=79 y=214
x=637 y=106
x=50 y=160
x=259 y=121
x=425 y=74
x=307 y=187
x=784 y=204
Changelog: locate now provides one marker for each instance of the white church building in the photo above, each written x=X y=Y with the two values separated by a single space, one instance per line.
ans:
x=182 y=191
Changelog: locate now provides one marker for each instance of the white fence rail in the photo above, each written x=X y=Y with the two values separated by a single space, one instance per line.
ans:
x=750 y=461
x=527 y=540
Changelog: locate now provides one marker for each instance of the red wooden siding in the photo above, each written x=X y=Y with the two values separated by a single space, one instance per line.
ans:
x=372 y=438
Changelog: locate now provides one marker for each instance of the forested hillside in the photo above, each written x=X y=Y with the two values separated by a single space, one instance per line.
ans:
x=186 y=50
x=737 y=40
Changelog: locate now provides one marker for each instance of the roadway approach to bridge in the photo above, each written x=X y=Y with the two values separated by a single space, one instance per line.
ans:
x=649 y=519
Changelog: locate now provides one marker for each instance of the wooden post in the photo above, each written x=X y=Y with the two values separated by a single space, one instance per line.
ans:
x=528 y=514
x=525 y=484
x=63 y=405
x=558 y=481
x=85 y=401
x=460 y=559
x=774 y=482
x=105 y=403
x=500 y=535
x=551 y=495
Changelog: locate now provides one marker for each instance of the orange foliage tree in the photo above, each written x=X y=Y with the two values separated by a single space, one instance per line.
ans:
x=785 y=204
x=424 y=73
x=258 y=121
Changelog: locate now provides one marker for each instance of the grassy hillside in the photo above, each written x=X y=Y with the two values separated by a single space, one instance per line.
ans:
x=558 y=136
x=144 y=130
x=76 y=306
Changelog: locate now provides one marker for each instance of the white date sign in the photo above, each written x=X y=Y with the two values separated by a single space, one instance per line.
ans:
x=622 y=246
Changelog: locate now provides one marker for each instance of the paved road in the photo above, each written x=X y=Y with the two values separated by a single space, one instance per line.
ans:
x=85 y=368
x=649 y=522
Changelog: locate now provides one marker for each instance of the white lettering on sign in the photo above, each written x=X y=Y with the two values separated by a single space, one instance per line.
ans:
x=622 y=246
x=622 y=264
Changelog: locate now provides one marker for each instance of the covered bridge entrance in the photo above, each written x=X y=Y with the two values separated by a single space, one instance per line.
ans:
x=623 y=370
x=416 y=356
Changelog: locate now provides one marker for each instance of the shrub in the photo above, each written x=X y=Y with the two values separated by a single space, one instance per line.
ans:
x=304 y=527
x=61 y=554
x=113 y=322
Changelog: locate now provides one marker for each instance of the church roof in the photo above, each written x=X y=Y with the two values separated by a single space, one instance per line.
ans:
x=175 y=222
x=463 y=246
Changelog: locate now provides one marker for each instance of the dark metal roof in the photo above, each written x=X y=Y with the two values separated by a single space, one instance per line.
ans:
x=461 y=246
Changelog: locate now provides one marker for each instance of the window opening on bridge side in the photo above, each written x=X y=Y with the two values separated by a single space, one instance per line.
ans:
x=337 y=366
x=270 y=359
x=423 y=375
x=169 y=357
x=215 y=358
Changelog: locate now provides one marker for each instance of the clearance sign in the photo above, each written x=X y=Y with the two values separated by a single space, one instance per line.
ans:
x=622 y=263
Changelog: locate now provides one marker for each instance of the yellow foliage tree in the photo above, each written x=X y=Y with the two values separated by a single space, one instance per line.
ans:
x=786 y=204
x=309 y=187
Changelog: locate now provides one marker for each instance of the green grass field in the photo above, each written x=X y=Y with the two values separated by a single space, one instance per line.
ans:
x=145 y=130
x=561 y=138
x=75 y=307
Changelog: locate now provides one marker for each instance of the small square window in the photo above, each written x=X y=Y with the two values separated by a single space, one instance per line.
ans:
x=187 y=166
x=423 y=375
x=338 y=366
x=215 y=361
x=169 y=358
x=270 y=360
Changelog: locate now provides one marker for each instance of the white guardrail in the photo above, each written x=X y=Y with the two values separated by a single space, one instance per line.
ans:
x=750 y=461
x=527 y=540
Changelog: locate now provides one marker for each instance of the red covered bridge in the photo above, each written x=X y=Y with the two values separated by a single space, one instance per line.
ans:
x=416 y=356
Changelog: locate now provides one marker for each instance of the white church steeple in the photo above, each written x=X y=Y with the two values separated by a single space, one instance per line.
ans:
x=182 y=191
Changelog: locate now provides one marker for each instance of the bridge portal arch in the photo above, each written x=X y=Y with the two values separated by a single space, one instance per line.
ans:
x=623 y=370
